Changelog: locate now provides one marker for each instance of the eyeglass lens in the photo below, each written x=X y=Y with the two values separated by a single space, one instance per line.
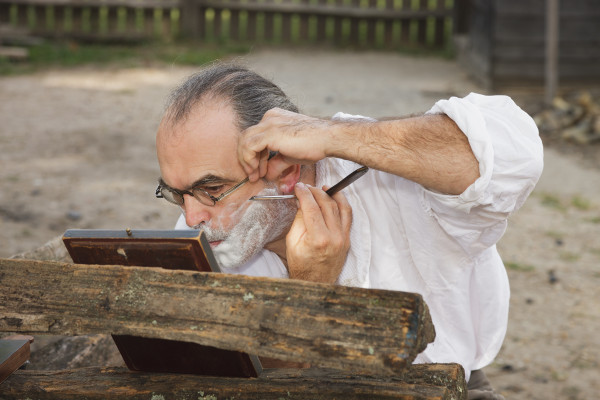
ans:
x=177 y=198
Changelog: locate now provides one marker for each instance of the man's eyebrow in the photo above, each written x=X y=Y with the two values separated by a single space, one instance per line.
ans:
x=206 y=180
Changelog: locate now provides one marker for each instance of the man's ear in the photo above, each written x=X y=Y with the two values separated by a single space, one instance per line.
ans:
x=284 y=174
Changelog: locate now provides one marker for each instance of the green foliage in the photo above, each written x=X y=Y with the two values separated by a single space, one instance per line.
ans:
x=569 y=256
x=555 y=234
x=581 y=203
x=552 y=201
x=70 y=54
x=514 y=266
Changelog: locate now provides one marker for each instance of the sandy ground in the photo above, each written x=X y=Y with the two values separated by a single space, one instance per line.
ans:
x=77 y=151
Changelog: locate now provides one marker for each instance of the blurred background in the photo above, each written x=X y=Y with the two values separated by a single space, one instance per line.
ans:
x=83 y=82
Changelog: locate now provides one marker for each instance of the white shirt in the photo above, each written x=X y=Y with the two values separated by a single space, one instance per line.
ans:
x=405 y=237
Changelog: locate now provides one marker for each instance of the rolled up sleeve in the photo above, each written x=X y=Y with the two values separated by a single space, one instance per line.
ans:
x=507 y=146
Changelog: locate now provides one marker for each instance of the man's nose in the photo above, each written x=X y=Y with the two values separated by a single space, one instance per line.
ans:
x=195 y=212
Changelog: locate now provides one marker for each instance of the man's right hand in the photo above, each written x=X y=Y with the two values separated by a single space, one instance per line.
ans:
x=319 y=239
x=299 y=139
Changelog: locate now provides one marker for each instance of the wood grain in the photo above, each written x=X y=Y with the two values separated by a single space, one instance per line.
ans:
x=427 y=382
x=352 y=329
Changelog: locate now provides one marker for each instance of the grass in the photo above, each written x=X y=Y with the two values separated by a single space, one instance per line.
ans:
x=552 y=201
x=514 y=266
x=555 y=234
x=71 y=54
x=569 y=256
x=581 y=203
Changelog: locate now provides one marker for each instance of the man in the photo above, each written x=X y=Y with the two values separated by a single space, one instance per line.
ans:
x=424 y=219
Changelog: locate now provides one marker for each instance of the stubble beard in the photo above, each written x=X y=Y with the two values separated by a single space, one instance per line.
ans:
x=261 y=223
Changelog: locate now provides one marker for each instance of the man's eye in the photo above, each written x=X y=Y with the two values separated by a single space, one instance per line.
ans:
x=213 y=189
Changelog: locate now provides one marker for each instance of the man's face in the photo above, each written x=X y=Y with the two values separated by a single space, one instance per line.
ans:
x=202 y=150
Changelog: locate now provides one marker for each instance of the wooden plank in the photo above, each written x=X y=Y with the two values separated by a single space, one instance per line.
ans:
x=39 y=17
x=569 y=51
x=336 y=10
x=5 y=13
x=438 y=36
x=22 y=20
x=217 y=24
x=286 y=27
x=532 y=29
x=94 y=20
x=149 y=27
x=190 y=18
x=346 y=328
x=354 y=22
x=461 y=16
x=535 y=70
x=321 y=24
x=202 y=23
x=338 y=22
x=76 y=21
x=112 y=25
x=14 y=53
x=234 y=25
x=303 y=36
x=405 y=27
x=101 y=3
x=268 y=24
x=60 y=21
x=371 y=26
x=388 y=27
x=251 y=27
x=167 y=28
x=425 y=381
x=422 y=25
x=131 y=28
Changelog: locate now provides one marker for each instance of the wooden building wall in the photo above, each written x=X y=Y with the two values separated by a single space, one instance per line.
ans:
x=505 y=43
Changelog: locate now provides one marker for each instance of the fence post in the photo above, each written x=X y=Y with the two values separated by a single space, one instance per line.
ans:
x=190 y=18
x=462 y=16
x=552 y=49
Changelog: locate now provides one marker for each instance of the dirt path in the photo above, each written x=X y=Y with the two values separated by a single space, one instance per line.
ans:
x=78 y=152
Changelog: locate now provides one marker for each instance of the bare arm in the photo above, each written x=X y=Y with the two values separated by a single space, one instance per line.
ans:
x=429 y=149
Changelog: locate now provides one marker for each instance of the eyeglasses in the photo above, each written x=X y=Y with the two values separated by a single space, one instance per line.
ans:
x=176 y=196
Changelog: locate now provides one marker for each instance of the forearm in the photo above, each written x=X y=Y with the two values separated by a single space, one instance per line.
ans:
x=430 y=150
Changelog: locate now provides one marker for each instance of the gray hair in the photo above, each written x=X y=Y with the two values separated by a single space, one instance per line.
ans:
x=249 y=94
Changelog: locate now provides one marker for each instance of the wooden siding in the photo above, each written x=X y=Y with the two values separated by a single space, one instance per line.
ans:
x=507 y=41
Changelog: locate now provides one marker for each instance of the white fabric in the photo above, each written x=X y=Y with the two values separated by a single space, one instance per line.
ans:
x=405 y=237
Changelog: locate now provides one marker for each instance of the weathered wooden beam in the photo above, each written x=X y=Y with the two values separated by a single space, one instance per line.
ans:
x=15 y=53
x=101 y=3
x=427 y=382
x=351 y=329
x=342 y=11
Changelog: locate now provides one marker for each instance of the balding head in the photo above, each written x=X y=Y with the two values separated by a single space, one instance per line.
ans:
x=249 y=94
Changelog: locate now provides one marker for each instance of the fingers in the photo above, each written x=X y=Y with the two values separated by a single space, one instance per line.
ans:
x=311 y=210
x=253 y=148
x=253 y=154
x=345 y=211
x=319 y=239
x=323 y=213
x=296 y=137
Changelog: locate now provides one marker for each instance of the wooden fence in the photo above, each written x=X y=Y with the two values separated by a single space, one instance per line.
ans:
x=362 y=23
